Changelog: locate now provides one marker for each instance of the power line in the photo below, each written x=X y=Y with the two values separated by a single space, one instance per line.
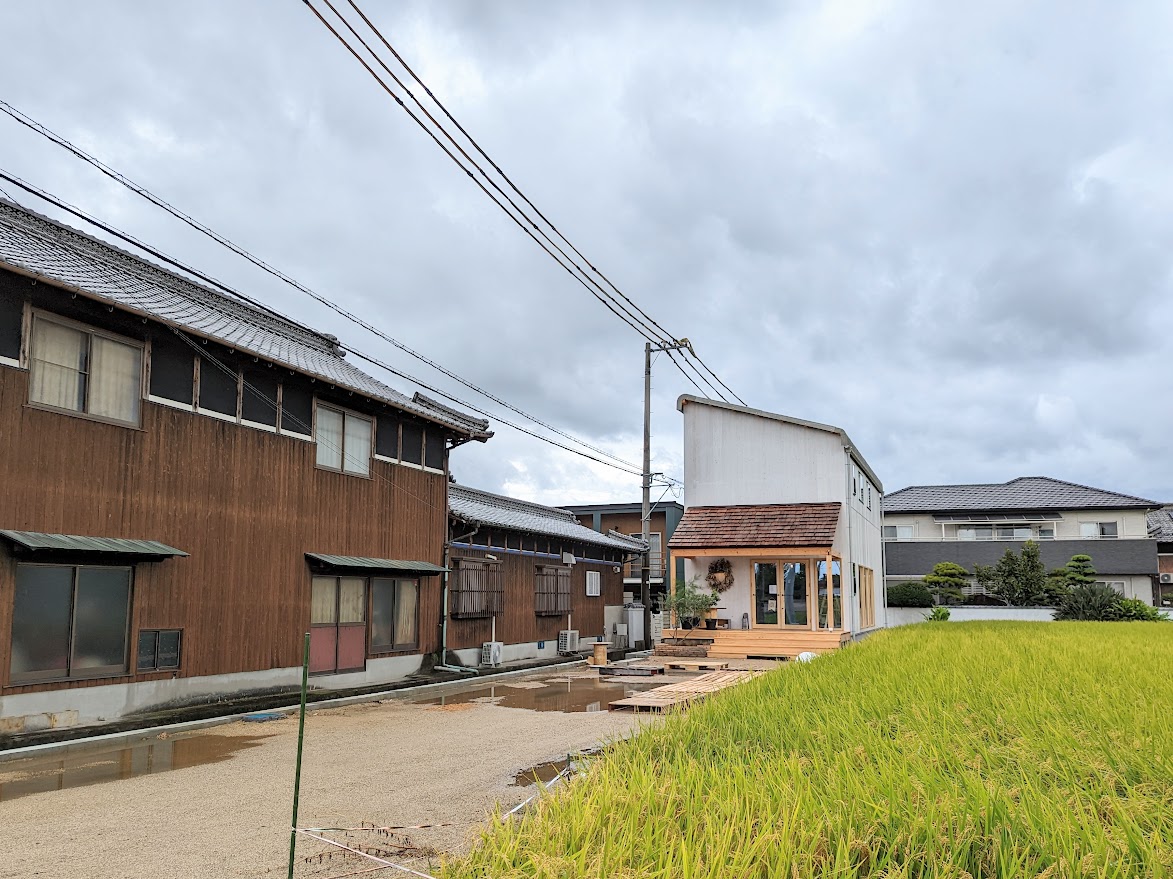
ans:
x=510 y=182
x=526 y=222
x=142 y=191
x=130 y=239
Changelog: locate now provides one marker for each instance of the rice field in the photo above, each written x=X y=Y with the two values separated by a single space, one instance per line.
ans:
x=943 y=750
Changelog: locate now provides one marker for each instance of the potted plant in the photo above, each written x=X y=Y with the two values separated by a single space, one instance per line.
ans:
x=690 y=603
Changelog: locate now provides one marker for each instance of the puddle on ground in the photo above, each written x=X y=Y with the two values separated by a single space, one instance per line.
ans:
x=95 y=765
x=543 y=772
x=557 y=694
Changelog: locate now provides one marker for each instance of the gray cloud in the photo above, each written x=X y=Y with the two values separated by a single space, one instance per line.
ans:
x=945 y=228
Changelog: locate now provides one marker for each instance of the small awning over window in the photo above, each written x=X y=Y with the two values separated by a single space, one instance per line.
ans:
x=349 y=564
x=39 y=544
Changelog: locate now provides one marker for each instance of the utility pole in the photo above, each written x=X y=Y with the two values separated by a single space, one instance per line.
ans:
x=645 y=574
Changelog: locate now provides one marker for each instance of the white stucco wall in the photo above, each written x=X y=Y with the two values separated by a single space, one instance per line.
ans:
x=903 y=616
x=740 y=458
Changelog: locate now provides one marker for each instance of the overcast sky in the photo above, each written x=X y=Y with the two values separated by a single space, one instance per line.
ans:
x=945 y=227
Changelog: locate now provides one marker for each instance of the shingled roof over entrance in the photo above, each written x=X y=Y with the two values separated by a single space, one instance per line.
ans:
x=761 y=525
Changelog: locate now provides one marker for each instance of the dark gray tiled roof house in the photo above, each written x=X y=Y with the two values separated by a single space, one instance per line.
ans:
x=43 y=248
x=475 y=507
x=1023 y=493
x=976 y=524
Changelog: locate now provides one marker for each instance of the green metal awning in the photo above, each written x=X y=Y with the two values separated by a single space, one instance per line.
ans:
x=358 y=564
x=38 y=542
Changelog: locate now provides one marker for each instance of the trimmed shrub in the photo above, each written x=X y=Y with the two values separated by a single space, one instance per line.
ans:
x=1090 y=601
x=1135 y=610
x=911 y=594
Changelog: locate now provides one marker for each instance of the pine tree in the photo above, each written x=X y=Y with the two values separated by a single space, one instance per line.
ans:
x=947 y=580
x=1079 y=571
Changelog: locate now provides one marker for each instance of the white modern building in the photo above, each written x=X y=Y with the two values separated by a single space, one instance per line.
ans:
x=789 y=511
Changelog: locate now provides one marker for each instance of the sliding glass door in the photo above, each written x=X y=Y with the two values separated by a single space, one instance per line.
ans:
x=781 y=596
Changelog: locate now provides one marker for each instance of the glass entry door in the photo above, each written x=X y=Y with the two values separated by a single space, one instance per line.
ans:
x=781 y=595
x=338 y=624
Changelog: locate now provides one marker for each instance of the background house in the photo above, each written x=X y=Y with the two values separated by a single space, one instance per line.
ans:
x=794 y=508
x=522 y=572
x=627 y=519
x=1161 y=530
x=976 y=524
x=188 y=483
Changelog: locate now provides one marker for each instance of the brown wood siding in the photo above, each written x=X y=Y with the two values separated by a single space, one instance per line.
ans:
x=244 y=503
x=520 y=624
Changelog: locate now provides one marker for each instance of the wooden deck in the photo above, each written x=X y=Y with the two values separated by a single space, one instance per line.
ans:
x=696 y=664
x=770 y=643
x=682 y=692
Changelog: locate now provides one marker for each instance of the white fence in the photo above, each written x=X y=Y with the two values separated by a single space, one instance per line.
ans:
x=902 y=616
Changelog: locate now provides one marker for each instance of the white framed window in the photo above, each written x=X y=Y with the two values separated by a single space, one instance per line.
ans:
x=975 y=532
x=1098 y=529
x=1047 y=533
x=898 y=532
x=344 y=440
x=76 y=369
x=1014 y=532
x=1117 y=585
x=594 y=584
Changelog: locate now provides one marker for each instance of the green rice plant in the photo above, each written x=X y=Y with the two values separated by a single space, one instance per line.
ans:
x=926 y=752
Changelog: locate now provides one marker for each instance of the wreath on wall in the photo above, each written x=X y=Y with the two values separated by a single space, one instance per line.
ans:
x=720 y=576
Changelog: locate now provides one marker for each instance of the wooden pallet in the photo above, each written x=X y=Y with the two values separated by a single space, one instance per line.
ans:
x=682 y=692
x=697 y=664
x=639 y=671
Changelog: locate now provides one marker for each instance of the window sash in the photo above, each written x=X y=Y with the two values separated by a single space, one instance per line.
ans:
x=82 y=639
x=394 y=614
x=76 y=369
x=343 y=440
x=551 y=590
x=477 y=590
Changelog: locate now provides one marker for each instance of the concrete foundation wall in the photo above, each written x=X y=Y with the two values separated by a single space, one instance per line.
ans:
x=903 y=616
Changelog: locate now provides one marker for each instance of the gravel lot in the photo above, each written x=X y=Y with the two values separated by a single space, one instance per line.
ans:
x=388 y=763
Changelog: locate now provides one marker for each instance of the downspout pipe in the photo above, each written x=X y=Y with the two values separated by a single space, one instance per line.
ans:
x=444 y=608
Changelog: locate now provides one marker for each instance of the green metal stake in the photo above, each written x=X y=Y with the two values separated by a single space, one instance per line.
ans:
x=305 y=676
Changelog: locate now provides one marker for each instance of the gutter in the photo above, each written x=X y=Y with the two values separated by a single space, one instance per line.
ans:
x=444 y=608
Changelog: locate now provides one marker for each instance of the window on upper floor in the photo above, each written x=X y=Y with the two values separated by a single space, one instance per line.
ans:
x=975 y=532
x=344 y=441
x=1014 y=532
x=898 y=532
x=75 y=369
x=1098 y=529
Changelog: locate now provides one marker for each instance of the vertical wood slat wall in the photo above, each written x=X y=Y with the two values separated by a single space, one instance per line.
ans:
x=519 y=623
x=245 y=504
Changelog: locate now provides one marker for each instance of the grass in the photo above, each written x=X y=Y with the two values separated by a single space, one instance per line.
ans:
x=959 y=750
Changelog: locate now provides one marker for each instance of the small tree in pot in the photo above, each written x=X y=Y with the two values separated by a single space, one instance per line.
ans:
x=689 y=603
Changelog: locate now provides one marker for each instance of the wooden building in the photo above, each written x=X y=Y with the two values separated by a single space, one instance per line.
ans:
x=188 y=483
x=523 y=572
x=787 y=511
x=628 y=519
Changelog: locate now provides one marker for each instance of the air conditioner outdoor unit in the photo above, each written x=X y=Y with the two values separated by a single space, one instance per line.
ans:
x=491 y=653
x=568 y=641
x=1167 y=578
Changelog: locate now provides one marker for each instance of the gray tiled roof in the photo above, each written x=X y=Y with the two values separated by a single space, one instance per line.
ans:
x=37 y=246
x=1161 y=523
x=1024 y=493
x=496 y=511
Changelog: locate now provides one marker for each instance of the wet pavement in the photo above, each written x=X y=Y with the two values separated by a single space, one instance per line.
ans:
x=566 y=695
x=95 y=765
